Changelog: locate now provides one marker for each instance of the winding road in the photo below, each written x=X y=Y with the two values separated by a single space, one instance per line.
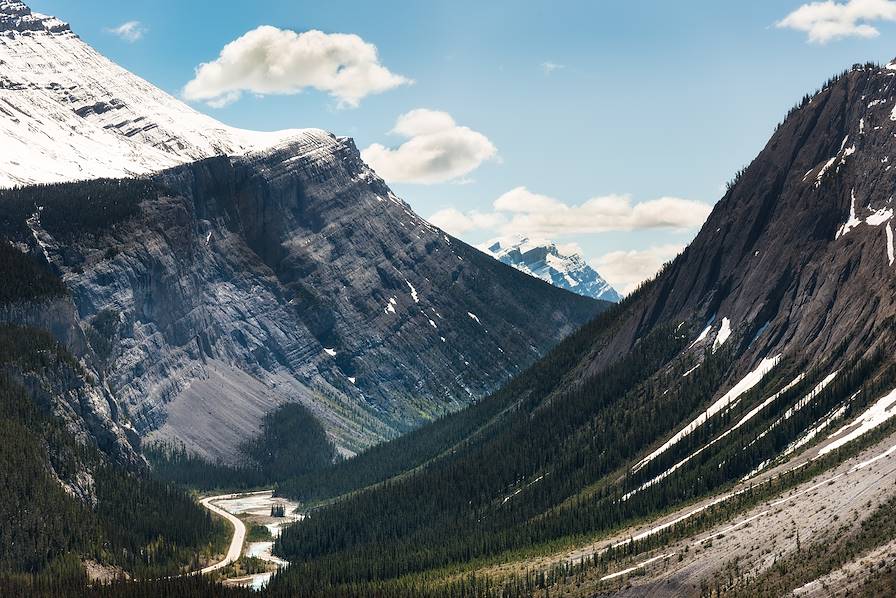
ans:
x=239 y=530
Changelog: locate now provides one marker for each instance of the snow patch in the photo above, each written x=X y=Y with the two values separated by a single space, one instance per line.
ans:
x=879 y=217
x=723 y=335
x=890 y=250
x=684 y=461
x=877 y=414
x=852 y=222
x=414 y=295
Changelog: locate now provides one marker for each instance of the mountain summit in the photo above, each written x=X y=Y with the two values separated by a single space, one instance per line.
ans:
x=68 y=113
x=16 y=16
x=544 y=260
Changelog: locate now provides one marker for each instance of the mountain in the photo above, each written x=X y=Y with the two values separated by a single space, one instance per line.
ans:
x=241 y=271
x=68 y=113
x=542 y=259
x=734 y=413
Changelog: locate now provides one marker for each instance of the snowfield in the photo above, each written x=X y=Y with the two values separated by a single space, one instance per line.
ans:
x=68 y=113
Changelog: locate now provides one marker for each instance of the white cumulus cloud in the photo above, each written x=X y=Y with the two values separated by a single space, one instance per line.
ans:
x=829 y=20
x=625 y=270
x=437 y=150
x=131 y=31
x=268 y=60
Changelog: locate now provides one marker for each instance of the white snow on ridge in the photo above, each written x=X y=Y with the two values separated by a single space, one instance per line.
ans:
x=890 y=251
x=559 y=266
x=852 y=222
x=68 y=113
x=746 y=384
x=877 y=414
x=724 y=335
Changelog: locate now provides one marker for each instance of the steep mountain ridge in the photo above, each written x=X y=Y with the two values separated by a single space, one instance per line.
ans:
x=235 y=285
x=813 y=267
x=68 y=113
x=543 y=259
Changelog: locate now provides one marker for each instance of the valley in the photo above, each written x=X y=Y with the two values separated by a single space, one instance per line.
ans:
x=238 y=364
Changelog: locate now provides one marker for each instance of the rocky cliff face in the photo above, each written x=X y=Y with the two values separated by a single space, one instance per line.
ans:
x=543 y=259
x=296 y=275
x=70 y=390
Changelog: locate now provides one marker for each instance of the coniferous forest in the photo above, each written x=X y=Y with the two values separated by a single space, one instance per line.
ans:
x=128 y=520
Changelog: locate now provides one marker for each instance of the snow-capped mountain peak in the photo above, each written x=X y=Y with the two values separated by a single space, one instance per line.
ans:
x=543 y=259
x=16 y=16
x=68 y=113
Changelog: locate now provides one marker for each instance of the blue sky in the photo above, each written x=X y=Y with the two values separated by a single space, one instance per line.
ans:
x=648 y=99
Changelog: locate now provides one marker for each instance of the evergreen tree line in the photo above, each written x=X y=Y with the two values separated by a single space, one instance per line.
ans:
x=68 y=211
x=25 y=278
x=292 y=442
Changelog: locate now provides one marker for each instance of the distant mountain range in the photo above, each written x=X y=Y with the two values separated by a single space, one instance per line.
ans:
x=544 y=260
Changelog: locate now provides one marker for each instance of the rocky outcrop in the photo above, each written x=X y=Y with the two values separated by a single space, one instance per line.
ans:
x=268 y=268
x=16 y=17
x=70 y=387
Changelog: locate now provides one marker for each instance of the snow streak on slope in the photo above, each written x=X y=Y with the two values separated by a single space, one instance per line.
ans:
x=877 y=414
x=745 y=385
x=68 y=113
x=544 y=260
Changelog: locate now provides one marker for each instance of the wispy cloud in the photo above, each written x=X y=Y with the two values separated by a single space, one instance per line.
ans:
x=131 y=31
x=437 y=150
x=827 y=21
x=540 y=215
x=550 y=67
x=520 y=212
x=268 y=60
